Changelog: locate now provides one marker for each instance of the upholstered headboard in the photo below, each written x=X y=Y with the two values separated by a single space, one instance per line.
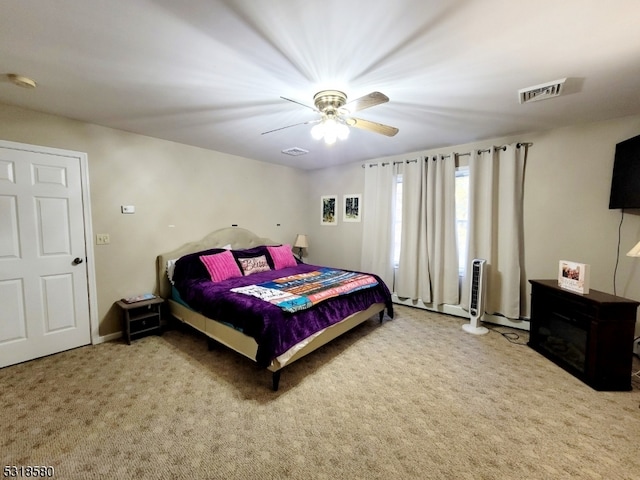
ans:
x=238 y=238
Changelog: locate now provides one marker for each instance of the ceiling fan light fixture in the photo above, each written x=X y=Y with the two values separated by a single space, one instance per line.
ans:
x=330 y=138
x=330 y=130
x=330 y=127
x=317 y=132
x=335 y=116
x=343 y=131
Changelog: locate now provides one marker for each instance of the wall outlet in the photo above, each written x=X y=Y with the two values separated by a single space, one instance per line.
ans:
x=102 y=239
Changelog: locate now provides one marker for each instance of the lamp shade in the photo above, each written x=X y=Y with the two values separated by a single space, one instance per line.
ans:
x=635 y=251
x=301 y=241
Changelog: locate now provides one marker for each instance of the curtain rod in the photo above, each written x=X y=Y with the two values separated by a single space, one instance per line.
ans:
x=435 y=157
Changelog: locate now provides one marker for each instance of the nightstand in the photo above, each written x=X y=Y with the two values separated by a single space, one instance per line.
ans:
x=141 y=317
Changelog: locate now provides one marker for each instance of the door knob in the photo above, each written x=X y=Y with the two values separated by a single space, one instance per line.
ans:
x=77 y=261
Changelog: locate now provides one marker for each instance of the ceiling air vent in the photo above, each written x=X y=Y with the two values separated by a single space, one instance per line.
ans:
x=541 y=92
x=295 y=151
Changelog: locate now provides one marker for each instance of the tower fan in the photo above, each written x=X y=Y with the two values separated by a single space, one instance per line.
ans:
x=476 y=298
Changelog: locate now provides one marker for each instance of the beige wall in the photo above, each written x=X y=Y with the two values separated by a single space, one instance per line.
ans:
x=334 y=246
x=566 y=198
x=195 y=190
x=566 y=213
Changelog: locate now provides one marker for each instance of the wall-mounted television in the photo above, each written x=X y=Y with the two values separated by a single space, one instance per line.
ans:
x=625 y=184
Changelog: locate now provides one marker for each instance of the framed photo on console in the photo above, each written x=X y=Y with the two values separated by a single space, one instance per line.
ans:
x=573 y=276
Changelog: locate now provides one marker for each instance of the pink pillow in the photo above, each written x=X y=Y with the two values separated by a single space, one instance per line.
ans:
x=221 y=266
x=282 y=256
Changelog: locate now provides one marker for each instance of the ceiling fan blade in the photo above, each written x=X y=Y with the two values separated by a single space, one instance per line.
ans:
x=371 y=100
x=310 y=122
x=372 y=126
x=304 y=105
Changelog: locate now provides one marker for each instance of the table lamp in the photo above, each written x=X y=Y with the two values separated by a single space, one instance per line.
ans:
x=635 y=251
x=300 y=243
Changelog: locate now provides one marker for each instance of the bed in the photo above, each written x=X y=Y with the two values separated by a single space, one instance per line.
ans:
x=234 y=311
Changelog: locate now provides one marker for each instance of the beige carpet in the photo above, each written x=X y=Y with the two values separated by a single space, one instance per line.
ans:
x=413 y=398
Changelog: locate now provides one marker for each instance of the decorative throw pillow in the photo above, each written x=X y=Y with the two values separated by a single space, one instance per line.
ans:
x=282 y=256
x=253 y=252
x=221 y=266
x=254 y=264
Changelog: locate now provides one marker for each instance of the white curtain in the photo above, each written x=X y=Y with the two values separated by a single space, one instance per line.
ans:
x=441 y=230
x=428 y=266
x=377 y=218
x=495 y=226
x=412 y=276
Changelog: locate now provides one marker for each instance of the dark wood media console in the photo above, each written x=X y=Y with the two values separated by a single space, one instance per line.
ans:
x=590 y=336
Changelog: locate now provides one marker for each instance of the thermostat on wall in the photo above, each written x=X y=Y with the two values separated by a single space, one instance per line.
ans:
x=128 y=209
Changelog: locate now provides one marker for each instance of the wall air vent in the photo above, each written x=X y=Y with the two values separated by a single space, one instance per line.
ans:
x=295 y=151
x=541 y=92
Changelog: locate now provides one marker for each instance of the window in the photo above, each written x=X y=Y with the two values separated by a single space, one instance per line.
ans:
x=397 y=222
x=462 y=217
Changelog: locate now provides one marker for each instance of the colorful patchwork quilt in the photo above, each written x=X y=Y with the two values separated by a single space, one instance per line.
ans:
x=304 y=290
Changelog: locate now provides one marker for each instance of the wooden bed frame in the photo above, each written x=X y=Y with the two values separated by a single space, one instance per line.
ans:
x=240 y=238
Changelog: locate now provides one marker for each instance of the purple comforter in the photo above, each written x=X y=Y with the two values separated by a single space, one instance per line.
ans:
x=274 y=330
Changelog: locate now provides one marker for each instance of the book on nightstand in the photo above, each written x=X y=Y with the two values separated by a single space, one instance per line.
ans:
x=139 y=298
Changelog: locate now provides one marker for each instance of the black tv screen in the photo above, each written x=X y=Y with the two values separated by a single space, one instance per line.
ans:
x=625 y=184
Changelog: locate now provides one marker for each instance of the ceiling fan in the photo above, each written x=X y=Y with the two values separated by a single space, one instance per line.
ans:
x=335 y=115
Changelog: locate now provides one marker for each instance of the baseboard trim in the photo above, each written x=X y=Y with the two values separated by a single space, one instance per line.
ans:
x=458 y=311
x=107 y=338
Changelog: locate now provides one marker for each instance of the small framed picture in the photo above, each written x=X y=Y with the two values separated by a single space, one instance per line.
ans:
x=329 y=210
x=574 y=276
x=352 y=204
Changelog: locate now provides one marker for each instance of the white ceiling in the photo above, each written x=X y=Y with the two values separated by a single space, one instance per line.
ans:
x=210 y=73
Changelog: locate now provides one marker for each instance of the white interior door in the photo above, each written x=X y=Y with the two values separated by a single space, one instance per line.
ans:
x=44 y=299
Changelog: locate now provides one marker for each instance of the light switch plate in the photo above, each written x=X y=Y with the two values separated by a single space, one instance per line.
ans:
x=102 y=239
x=128 y=209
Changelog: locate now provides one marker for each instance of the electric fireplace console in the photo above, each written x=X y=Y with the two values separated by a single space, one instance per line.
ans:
x=590 y=336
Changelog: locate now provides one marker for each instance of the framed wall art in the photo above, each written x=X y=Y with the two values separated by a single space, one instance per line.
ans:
x=329 y=210
x=352 y=206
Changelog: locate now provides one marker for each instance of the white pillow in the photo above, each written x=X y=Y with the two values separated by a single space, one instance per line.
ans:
x=171 y=265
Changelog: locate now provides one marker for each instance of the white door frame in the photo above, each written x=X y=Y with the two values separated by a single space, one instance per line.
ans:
x=88 y=229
